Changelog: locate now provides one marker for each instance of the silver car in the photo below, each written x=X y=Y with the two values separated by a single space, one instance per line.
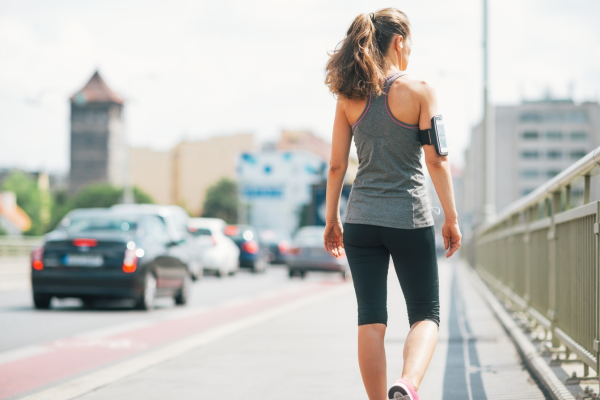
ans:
x=308 y=254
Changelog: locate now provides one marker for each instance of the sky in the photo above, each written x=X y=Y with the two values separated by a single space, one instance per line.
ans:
x=190 y=70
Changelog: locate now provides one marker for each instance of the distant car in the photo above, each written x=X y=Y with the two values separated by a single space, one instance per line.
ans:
x=176 y=220
x=110 y=254
x=253 y=254
x=219 y=253
x=278 y=243
x=308 y=254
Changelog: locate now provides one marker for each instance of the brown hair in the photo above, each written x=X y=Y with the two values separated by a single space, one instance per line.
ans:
x=357 y=68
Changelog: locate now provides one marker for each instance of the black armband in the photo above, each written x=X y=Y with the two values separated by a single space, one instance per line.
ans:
x=436 y=136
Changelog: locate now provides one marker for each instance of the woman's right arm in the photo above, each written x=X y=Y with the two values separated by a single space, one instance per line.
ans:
x=439 y=171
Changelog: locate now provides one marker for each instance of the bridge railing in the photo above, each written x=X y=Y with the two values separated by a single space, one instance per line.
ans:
x=18 y=246
x=543 y=255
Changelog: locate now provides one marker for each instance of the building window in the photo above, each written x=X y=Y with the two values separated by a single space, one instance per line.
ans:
x=554 y=154
x=530 y=135
x=530 y=117
x=530 y=154
x=578 y=117
x=530 y=173
x=552 y=173
x=526 y=191
x=554 y=135
x=578 y=136
x=577 y=154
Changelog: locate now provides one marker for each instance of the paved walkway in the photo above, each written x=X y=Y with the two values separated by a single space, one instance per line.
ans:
x=310 y=353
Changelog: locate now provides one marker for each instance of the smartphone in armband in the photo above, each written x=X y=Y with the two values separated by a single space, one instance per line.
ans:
x=436 y=136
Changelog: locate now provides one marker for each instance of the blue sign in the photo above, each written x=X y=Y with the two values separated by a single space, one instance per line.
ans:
x=270 y=192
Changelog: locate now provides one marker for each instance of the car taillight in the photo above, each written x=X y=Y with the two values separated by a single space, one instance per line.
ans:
x=250 y=247
x=284 y=246
x=231 y=230
x=213 y=239
x=85 y=242
x=37 y=259
x=295 y=250
x=130 y=261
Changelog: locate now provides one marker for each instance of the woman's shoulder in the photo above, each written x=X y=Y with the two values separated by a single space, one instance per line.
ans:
x=416 y=87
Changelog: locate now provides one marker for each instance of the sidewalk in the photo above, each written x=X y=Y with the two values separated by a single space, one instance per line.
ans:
x=310 y=353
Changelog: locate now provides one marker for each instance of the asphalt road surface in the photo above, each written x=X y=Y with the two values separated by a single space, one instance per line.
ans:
x=22 y=325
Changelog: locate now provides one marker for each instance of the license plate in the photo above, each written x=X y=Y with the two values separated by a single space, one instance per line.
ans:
x=83 y=260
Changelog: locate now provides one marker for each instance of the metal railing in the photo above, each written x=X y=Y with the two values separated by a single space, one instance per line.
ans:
x=18 y=246
x=543 y=255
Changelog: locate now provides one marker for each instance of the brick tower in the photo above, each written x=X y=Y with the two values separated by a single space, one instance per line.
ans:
x=98 y=149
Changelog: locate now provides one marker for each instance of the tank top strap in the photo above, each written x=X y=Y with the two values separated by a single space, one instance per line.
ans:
x=389 y=81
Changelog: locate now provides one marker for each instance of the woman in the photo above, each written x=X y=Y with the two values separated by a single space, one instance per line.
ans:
x=388 y=211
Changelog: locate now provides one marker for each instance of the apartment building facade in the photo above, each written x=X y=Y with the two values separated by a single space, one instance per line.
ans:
x=533 y=142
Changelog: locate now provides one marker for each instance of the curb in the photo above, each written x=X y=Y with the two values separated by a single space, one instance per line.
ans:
x=96 y=380
x=526 y=349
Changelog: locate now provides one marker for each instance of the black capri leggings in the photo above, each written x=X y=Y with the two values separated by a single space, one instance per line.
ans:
x=368 y=248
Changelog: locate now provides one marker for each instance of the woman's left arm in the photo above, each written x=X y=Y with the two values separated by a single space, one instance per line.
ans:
x=340 y=150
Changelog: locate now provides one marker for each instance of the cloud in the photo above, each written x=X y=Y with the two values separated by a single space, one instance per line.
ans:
x=202 y=68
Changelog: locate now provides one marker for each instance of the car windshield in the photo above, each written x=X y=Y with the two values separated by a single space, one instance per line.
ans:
x=240 y=233
x=200 y=231
x=273 y=237
x=98 y=223
x=310 y=238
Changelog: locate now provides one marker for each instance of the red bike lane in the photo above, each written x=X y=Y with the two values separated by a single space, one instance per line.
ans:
x=75 y=356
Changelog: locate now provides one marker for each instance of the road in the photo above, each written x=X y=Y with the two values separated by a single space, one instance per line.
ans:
x=265 y=332
x=85 y=339
x=22 y=325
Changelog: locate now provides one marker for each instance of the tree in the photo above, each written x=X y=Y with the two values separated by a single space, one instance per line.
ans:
x=60 y=208
x=99 y=195
x=221 y=201
x=30 y=198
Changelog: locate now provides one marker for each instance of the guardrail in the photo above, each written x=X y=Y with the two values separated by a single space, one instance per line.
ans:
x=16 y=246
x=543 y=256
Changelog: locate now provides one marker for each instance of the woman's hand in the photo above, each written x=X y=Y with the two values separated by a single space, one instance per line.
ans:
x=452 y=237
x=333 y=238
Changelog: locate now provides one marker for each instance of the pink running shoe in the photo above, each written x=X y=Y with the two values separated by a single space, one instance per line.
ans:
x=402 y=390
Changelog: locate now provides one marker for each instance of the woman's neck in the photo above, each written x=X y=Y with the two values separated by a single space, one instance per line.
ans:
x=393 y=64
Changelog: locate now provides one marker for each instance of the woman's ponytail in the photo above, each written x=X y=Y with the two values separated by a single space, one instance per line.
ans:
x=358 y=67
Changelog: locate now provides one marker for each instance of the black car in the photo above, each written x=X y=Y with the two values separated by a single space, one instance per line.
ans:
x=108 y=254
x=253 y=253
x=278 y=244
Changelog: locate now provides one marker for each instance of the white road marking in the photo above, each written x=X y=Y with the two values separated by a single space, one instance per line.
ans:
x=88 y=383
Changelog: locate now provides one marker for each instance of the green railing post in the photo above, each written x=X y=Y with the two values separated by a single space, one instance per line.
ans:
x=552 y=268
x=529 y=218
x=596 y=343
x=586 y=189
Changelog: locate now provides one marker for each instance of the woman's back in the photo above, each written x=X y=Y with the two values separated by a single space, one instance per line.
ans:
x=389 y=189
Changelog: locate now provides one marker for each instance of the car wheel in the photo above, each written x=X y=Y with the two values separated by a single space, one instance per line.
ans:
x=146 y=301
x=302 y=274
x=42 y=301
x=198 y=275
x=345 y=275
x=184 y=293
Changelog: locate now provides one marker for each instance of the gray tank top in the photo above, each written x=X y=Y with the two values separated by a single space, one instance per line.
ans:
x=389 y=189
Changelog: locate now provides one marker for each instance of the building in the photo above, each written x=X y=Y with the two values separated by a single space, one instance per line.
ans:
x=98 y=148
x=13 y=220
x=533 y=142
x=275 y=185
x=304 y=140
x=182 y=174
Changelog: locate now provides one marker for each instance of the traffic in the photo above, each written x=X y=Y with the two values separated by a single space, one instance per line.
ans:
x=138 y=252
